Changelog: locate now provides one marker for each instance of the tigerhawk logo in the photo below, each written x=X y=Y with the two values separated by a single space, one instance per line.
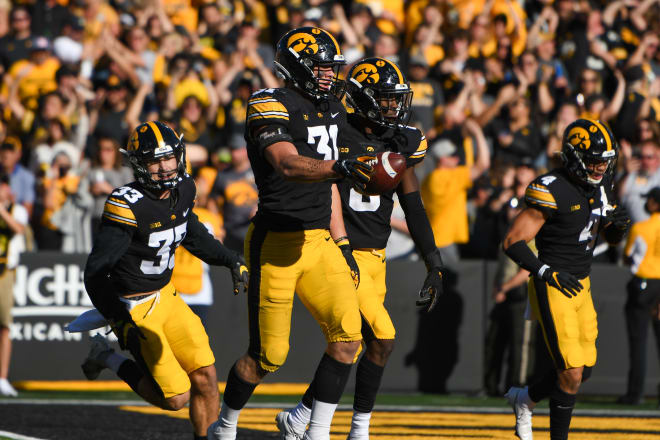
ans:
x=303 y=43
x=578 y=137
x=366 y=73
x=134 y=143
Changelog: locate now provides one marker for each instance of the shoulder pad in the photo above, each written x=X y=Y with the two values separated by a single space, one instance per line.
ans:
x=267 y=105
x=539 y=195
x=117 y=209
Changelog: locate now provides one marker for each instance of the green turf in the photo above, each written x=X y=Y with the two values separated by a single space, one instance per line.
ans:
x=403 y=400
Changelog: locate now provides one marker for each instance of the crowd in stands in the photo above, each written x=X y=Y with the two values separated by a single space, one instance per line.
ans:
x=495 y=82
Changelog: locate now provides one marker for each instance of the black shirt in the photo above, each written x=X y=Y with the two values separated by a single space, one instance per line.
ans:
x=285 y=205
x=367 y=218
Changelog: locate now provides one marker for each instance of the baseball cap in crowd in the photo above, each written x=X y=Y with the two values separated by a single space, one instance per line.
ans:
x=418 y=60
x=40 y=43
x=443 y=148
x=114 y=83
x=654 y=194
x=236 y=141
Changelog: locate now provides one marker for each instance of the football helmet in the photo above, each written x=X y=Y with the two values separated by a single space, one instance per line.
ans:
x=378 y=91
x=149 y=142
x=301 y=52
x=588 y=141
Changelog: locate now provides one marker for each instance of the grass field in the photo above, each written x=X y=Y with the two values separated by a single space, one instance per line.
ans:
x=59 y=414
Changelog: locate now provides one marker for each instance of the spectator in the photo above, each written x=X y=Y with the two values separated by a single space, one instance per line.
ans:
x=49 y=18
x=642 y=166
x=62 y=218
x=428 y=100
x=108 y=114
x=236 y=193
x=643 y=295
x=68 y=46
x=107 y=173
x=20 y=179
x=444 y=191
x=54 y=141
x=13 y=220
x=16 y=45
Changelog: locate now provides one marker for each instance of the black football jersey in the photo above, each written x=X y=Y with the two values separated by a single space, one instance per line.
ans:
x=367 y=218
x=158 y=227
x=314 y=126
x=567 y=239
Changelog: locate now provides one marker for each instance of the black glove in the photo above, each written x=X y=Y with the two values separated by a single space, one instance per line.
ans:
x=128 y=333
x=347 y=252
x=619 y=218
x=358 y=170
x=432 y=288
x=566 y=283
x=239 y=276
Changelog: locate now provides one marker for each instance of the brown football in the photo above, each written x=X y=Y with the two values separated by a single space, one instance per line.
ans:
x=388 y=170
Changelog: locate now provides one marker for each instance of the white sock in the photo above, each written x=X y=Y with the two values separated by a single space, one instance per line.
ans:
x=528 y=400
x=360 y=423
x=228 y=417
x=321 y=419
x=114 y=361
x=299 y=417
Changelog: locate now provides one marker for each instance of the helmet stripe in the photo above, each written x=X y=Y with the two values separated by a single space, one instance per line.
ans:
x=333 y=40
x=157 y=133
x=398 y=71
x=608 y=140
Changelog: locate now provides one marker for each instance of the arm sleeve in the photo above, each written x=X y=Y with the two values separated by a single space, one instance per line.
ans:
x=418 y=222
x=204 y=246
x=109 y=247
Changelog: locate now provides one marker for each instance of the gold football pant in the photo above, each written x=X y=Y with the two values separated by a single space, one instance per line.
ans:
x=309 y=264
x=176 y=343
x=376 y=321
x=569 y=325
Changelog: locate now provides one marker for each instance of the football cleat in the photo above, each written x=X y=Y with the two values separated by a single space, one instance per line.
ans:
x=95 y=361
x=287 y=431
x=6 y=389
x=522 y=411
x=218 y=432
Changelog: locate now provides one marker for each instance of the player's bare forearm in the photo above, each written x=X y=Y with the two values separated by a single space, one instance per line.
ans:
x=307 y=169
x=284 y=158
x=337 y=227
x=524 y=227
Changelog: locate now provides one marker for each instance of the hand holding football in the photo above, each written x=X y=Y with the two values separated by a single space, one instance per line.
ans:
x=388 y=170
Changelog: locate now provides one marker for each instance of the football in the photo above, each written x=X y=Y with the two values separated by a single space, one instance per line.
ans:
x=388 y=170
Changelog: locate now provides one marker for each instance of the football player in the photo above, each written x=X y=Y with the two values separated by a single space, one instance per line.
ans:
x=567 y=209
x=128 y=277
x=291 y=135
x=380 y=96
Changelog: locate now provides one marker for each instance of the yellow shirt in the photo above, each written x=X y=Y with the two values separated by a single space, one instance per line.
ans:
x=188 y=269
x=444 y=192
x=643 y=247
x=39 y=79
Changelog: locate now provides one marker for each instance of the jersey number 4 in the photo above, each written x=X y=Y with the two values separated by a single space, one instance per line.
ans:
x=166 y=241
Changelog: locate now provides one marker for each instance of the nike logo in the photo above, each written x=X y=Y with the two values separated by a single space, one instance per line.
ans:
x=333 y=114
x=327 y=238
x=185 y=213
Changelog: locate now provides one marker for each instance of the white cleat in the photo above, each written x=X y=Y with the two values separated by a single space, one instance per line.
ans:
x=522 y=411
x=6 y=389
x=217 y=432
x=287 y=432
x=357 y=437
x=95 y=361
x=309 y=437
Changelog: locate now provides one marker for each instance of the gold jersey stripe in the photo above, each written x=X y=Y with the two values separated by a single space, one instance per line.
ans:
x=118 y=202
x=264 y=107
x=118 y=219
x=157 y=133
x=540 y=195
x=538 y=202
x=603 y=130
x=120 y=211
